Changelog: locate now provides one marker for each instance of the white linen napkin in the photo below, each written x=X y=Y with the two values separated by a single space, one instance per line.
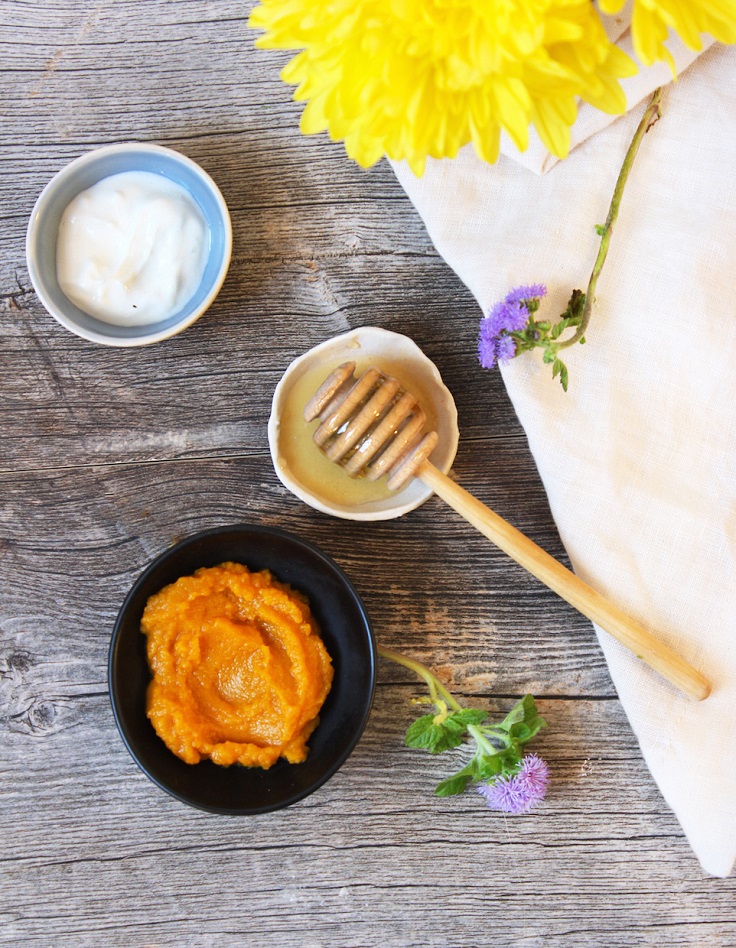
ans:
x=639 y=457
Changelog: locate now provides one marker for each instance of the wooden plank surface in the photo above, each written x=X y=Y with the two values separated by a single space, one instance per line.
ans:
x=107 y=456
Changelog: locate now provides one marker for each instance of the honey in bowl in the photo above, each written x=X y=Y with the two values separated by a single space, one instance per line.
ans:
x=240 y=671
x=307 y=463
x=304 y=469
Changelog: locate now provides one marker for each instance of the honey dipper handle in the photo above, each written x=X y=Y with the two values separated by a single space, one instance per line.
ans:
x=567 y=585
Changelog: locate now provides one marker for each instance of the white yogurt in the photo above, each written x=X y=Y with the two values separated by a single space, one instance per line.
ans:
x=131 y=250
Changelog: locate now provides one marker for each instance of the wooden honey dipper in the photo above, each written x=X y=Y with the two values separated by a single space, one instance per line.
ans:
x=373 y=427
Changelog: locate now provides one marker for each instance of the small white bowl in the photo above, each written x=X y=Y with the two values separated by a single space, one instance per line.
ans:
x=313 y=478
x=81 y=174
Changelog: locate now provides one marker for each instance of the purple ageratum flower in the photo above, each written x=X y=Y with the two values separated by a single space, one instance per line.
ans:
x=531 y=292
x=505 y=348
x=494 y=343
x=520 y=792
x=487 y=345
x=508 y=316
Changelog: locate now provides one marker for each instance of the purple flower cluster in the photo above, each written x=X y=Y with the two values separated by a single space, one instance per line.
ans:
x=520 y=792
x=510 y=315
x=533 y=291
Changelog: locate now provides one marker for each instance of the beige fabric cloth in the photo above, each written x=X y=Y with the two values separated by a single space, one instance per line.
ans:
x=639 y=457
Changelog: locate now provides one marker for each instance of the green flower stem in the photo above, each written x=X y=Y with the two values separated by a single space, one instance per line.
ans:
x=494 y=732
x=482 y=741
x=436 y=688
x=651 y=115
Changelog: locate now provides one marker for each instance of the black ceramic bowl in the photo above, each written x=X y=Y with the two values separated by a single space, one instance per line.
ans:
x=346 y=632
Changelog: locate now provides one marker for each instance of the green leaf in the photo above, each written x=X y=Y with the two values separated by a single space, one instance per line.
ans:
x=417 y=729
x=469 y=716
x=520 y=711
x=513 y=753
x=437 y=736
x=600 y=230
x=563 y=377
x=559 y=328
x=487 y=767
x=520 y=732
x=523 y=722
x=524 y=732
x=456 y=783
x=452 y=785
x=524 y=711
x=505 y=763
x=453 y=727
x=556 y=367
x=427 y=735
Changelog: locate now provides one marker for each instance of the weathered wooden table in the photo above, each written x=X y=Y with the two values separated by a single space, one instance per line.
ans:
x=109 y=455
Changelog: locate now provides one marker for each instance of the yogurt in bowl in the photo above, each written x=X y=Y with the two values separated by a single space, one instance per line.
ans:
x=131 y=249
x=129 y=244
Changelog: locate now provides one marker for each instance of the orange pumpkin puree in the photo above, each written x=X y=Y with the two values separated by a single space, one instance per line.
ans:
x=239 y=669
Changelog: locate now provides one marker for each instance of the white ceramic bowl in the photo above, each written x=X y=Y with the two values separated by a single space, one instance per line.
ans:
x=366 y=346
x=81 y=174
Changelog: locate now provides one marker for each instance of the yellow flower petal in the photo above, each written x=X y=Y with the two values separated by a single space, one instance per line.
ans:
x=553 y=125
x=314 y=118
x=418 y=78
x=486 y=141
x=690 y=19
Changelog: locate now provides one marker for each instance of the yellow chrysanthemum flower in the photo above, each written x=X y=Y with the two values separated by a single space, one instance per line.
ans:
x=653 y=19
x=417 y=78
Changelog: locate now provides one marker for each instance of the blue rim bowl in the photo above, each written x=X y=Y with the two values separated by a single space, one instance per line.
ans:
x=81 y=174
x=346 y=631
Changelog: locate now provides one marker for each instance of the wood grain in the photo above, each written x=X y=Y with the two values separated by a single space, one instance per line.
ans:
x=371 y=858
x=108 y=456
